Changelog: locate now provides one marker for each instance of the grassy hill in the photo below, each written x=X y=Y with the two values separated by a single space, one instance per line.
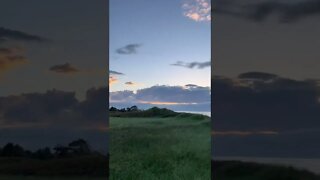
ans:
x=160 y=144
x=236 y=170
x=155 y=112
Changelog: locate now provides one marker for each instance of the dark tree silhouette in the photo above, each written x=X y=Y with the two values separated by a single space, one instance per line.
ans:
x=11 y=150
x=113 y=109
x=80 y=147
x=61 y=151
x=43 y=153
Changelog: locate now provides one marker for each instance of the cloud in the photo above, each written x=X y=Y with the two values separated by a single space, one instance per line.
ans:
x=128 y=49
x=112 y=80
x=113 y=77
x=287 y=12
x=164 y=95
x=54 y=107
x=130 y=83
x=8 y=34
x=191 y=86
x=197 y=10
x=46 y=117
x=66 y=68
x=261 y=103
x=268 y=103
x=11 y=58
x=199 y=65
x=115 y=73
x=257 y=76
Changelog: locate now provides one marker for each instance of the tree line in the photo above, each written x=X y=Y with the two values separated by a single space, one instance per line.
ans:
x=75 y=148
x=128 y=109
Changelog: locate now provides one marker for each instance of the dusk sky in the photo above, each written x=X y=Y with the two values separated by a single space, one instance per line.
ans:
x=53 y=72
x=156 y=49
x=266 y=78
x=71 y=34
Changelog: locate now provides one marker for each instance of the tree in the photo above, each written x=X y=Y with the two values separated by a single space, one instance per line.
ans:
x=80 y=147
x=43 y=153
x=12 y=150
x=113 y=109
x=134 y=108
x=61 y=151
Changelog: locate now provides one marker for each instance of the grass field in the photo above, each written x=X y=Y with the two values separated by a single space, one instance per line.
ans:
x=236 y=170
x=92 y=167
x=172 y=148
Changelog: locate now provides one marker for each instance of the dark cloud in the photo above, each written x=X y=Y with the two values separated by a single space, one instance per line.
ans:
x=36 y=120
x=55 y=108
x=191 y=85
x=35 y=107
x=94 y=108
x=257 y=76
x=115 y=73
x=11 y=58
x=8 y=34
x=64 y=68
x=130 y=83
x=128 y=49
x=259 y=11
x=199 y=65
x=258 y=105
x=172 y=96
x=263 y=102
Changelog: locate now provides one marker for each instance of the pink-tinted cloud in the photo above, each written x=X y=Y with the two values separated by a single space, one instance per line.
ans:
x=112 y=80
x=197 y=10
x=11 y=58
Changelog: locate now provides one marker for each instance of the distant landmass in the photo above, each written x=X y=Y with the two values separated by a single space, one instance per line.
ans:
x=134 y=111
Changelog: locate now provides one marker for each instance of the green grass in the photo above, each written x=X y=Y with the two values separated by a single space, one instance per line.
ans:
x=171 y=148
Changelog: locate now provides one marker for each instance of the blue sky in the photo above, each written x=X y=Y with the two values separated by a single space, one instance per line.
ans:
x=164 y=35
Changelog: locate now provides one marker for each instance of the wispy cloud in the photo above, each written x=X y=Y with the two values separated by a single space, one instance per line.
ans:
x=191 y=65
x=66 y=68
x=11 y=58
x=197 y=10
x=128 y=49
x=130 y=83
x=287 y=12
x=8 y=34
x=115 y=73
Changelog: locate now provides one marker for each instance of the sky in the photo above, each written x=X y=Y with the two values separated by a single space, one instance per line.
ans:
x=265 y=81
x=72 y=35
x=53 y=72
x=156 y=49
